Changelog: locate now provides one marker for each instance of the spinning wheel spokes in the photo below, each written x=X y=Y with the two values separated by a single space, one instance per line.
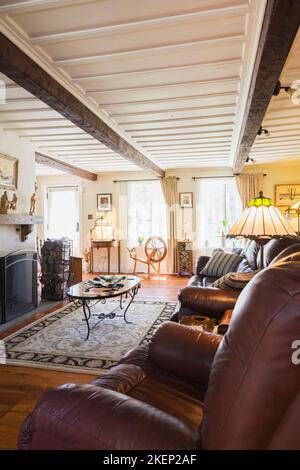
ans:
x=155 y=249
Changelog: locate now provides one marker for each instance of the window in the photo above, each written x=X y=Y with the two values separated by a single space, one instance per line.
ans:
x=62 y=214
x=218 y=207
x=146 y=211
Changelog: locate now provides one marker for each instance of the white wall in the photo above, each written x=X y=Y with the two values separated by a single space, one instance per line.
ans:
x=11 y=144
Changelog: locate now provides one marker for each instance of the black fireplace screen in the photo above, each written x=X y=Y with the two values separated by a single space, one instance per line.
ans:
x=18 y=284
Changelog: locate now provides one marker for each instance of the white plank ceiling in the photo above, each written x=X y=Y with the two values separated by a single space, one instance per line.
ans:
x=171 y=76
x=282 y=118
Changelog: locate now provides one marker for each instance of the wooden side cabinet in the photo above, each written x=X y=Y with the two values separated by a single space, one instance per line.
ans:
x=184 y=250
x=75 y=271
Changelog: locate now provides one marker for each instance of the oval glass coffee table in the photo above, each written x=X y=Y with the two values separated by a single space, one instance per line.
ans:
x=85 y=295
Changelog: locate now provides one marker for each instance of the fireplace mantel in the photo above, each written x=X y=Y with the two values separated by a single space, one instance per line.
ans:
x=25 y=221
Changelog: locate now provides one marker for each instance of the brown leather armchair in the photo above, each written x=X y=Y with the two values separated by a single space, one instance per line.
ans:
x=189 y=389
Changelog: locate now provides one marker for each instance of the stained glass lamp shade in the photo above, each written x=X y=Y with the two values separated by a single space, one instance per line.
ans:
x=261 y=221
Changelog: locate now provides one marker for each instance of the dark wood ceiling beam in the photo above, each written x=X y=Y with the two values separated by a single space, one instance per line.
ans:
x=280 y=26
x=20 y=68
x=51 y=162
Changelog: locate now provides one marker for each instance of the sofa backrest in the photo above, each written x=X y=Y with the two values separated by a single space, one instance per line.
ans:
x=275 y=247
x=252 y=253
x=253 y=397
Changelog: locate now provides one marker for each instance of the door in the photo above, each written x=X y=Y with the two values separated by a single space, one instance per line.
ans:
x=63 y=215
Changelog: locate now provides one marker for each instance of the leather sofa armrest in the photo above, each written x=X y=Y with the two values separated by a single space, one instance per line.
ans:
x=208 y=300
x=224 y=323
x=184 y=351
x=88 y=417
x=201 y=262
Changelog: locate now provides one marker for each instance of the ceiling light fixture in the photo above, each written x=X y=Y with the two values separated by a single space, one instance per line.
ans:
x=293 y=91
x=249 y=159
x=263 y=132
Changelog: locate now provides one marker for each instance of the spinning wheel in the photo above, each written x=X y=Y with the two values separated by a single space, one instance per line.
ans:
x=155 y=251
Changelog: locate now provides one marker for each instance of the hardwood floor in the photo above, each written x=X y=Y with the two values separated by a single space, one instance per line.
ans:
x=20 y=387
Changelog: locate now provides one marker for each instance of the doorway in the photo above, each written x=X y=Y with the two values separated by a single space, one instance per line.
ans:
x=62 y=214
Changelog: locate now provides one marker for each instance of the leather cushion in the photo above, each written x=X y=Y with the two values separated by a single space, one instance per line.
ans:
x=172 y=394
x=250 y=252
x=274 y=248
x=234 y=280
x=196 y=281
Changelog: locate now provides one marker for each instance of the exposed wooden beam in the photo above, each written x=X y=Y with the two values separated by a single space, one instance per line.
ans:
x=280 y=26
x=51 y=162
x=20 y=68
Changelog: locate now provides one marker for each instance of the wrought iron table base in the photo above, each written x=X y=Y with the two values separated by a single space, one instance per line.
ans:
x=85 y=303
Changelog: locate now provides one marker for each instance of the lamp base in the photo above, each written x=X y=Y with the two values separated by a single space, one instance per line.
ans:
x=262 y=242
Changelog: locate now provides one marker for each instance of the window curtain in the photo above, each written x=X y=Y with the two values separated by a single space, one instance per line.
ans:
x=249 y=186
x=170 y=192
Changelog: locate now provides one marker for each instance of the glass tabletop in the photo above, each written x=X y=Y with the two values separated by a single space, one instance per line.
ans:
x=85 y=290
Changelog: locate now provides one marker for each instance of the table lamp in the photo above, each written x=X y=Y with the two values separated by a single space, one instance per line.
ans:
x=103 y=229
x=261 y=221
x=295 y=209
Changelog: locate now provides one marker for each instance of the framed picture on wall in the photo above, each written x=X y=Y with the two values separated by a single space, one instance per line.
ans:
x=104 y=202
x=8 y=172
x=286 y=194
x=186 y=200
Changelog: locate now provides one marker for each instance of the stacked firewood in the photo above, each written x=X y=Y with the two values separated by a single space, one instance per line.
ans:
x=55 y=268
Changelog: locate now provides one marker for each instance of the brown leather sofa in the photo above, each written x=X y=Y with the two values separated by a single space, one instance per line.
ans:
x=198 y=298
x=191 y=389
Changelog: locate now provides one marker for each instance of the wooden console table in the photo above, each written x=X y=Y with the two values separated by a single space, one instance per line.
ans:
x=108 y=244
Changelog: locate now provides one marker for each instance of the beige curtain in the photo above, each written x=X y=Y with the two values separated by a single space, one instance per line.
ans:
x=121 y=219
x=249 y=186
x=169 y=188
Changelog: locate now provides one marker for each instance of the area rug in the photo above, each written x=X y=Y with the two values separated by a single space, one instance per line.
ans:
x=57 y=340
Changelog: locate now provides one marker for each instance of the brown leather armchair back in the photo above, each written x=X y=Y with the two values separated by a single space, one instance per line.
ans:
x=253 y=397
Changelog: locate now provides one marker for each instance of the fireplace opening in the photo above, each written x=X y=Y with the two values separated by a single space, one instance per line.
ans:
x=18 y=284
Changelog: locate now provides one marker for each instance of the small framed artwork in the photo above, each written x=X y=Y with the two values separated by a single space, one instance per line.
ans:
x=186 y=200
x=8 y=172
x=104 y=202
x=286 y=194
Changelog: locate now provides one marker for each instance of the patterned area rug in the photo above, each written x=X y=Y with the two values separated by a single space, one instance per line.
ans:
x=57 y=341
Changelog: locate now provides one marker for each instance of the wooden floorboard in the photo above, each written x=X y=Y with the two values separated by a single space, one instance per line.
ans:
x=20 y=387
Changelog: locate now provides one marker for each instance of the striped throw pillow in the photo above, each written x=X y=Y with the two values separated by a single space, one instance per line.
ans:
x=221 y=264
x=234 y=280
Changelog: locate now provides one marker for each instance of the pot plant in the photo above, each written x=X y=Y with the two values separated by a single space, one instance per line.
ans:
x=140 y=240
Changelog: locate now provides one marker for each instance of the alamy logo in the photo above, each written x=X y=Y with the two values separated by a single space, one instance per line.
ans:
x=296 y=353
x=2 y=92
x=2 y=353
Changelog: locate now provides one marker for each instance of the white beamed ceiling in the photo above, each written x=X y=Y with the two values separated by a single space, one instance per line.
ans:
x=171 y=75
x=282 y=118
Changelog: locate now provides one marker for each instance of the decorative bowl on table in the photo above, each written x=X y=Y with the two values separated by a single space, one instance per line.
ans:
x=109 y=281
